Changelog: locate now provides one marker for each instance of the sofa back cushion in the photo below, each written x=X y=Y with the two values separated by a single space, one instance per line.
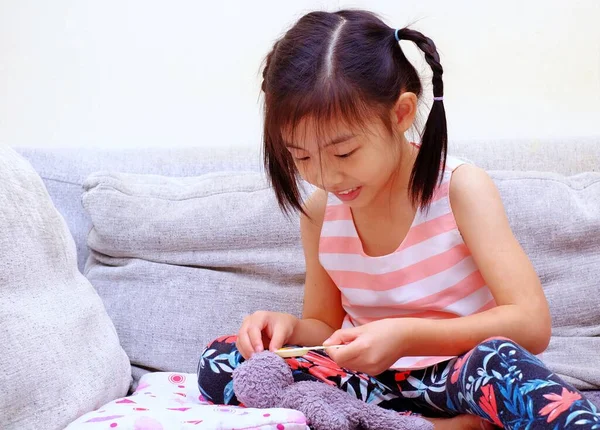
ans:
x=64 y=170
x=180 y=261
x=60 y=356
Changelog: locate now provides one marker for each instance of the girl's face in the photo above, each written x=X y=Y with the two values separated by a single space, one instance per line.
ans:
x=356 y=164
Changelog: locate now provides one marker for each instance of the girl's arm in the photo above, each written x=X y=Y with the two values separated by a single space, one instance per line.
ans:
x=322 y=313
x=522 y=313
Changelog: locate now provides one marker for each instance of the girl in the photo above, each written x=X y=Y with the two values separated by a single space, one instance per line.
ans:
x=410 y=260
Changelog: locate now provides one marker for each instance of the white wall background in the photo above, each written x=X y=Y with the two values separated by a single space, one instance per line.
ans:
x=186 y=73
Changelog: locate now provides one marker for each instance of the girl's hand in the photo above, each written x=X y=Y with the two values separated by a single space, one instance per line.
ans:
x=371 y=348
x=263 y=330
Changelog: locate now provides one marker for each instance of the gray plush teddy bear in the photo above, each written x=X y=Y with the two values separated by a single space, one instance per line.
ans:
x=265 y=381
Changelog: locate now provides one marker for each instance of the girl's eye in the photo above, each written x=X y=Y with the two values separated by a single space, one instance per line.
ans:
x=301 y=158
x=345 y=155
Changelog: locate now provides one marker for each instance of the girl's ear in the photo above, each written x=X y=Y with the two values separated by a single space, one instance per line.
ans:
x=404 y=111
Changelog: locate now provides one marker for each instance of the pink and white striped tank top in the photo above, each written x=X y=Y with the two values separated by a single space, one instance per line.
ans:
x=431 y=275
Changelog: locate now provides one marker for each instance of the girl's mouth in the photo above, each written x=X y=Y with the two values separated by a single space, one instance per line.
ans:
x=349 y=194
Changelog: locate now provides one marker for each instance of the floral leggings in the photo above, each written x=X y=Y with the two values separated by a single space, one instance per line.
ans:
x=497 y=380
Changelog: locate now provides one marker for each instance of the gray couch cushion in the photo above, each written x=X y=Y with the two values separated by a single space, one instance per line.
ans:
x=64 y=170
x=60 y=353
x=565 y=156
x=557 y=221
x=180 y=261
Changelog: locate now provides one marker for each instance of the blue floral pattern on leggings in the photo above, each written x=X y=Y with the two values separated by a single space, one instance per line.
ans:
x=498 y=381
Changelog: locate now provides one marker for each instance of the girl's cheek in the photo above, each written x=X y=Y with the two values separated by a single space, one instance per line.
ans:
x=308 y=178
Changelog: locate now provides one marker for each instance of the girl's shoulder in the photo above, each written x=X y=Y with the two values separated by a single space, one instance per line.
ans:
x=468 y=182
x=454 y=162
x=465 y=181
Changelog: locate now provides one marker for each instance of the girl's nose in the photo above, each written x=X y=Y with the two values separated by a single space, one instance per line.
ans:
x=330 y=178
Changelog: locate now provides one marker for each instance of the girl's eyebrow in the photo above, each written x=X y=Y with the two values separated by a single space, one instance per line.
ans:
x=340 y=139
x=337 y=140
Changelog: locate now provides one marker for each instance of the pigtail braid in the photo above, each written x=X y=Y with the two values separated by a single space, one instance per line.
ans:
x=431 y=159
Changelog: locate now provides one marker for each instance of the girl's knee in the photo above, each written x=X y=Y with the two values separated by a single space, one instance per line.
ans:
x=221 y=345
x=215 y=368
x=500 y=346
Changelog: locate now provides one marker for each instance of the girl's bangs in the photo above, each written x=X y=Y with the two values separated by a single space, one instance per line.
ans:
x=319 y=109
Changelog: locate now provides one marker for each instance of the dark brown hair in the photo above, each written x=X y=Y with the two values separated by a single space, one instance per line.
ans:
x=346 y=66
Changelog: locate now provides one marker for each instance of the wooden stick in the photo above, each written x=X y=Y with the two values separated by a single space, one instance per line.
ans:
x=298 y=352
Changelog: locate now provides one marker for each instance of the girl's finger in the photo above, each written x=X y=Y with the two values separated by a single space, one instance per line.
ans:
x=255 y=335
x=345 y=355
x=343 y=336
x=278 y=339
x=243 y=343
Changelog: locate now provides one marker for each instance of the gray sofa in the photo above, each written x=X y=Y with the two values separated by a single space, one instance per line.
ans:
x=250 y=255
